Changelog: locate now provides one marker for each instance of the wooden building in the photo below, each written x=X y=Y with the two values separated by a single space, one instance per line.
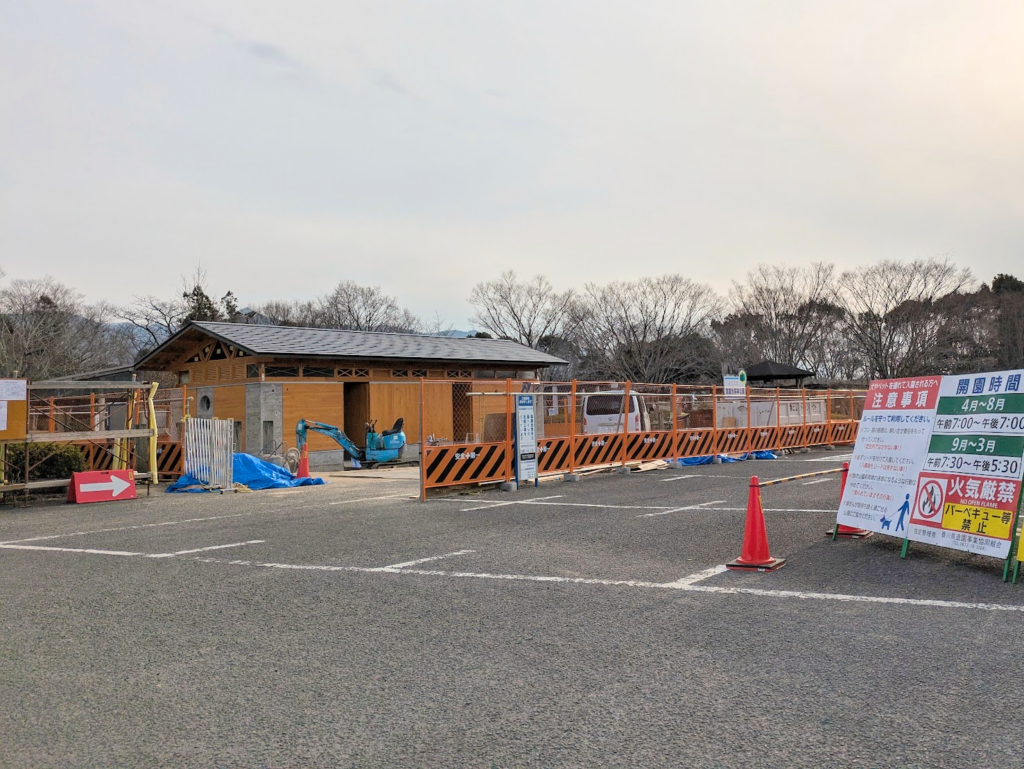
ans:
x=266 y=378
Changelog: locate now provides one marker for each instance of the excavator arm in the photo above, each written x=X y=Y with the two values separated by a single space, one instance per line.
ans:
x=330 y=431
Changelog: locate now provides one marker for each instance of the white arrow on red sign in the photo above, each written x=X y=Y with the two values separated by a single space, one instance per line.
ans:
x=115 y=486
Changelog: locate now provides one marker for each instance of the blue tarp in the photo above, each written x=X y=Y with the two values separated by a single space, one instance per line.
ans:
x=252 y=472
x=689 y=461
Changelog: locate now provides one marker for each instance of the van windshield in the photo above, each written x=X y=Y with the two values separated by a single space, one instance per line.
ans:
x=602 y=405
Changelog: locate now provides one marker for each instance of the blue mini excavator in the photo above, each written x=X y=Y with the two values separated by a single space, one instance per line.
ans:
x=381 y=448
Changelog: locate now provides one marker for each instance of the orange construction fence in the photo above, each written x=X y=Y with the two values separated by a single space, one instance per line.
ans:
x=467 y=430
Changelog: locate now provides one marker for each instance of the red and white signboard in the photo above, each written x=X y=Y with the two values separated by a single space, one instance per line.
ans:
x=102 y=486
x=889 y=454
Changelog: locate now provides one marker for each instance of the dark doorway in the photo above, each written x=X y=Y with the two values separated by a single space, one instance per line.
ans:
x=357 y=411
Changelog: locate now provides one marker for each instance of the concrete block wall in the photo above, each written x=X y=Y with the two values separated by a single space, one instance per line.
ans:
x=263 y=403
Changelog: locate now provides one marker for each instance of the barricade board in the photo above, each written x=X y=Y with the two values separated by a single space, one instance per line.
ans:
x=464 y=463
x=647 y=446
x=102 y=486
x=552 y=455
x=940 y=460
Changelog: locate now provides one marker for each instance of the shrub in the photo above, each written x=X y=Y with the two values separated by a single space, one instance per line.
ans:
x=55 y=461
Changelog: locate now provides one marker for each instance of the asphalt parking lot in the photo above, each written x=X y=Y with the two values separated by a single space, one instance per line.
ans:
x=585 y=624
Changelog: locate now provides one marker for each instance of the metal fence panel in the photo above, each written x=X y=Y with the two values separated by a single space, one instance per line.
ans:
x=209 y=448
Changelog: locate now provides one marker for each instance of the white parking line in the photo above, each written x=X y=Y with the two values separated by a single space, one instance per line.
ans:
x=698 y=506
x=699 y=576
x=837 y=458
x=90 y=551
x=688 y=584
x=418 y=561
x=129 y=553
x=125 y=528
x=490 y=505
x=592 y=504
x=683 y=477
x=369 y=499
x=204 y=549
x=818 y=480
x=773 y=510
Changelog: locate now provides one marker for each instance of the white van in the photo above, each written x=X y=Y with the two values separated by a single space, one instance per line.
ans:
x=602 y=412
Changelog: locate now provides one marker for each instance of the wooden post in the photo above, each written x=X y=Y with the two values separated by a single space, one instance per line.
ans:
x=423 y=446
x=509 y=443
x=154 y=435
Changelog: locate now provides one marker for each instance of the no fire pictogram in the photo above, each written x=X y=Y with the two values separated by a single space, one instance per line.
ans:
x=930 y=499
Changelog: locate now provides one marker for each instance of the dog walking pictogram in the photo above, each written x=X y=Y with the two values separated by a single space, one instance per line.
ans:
x=904 y=509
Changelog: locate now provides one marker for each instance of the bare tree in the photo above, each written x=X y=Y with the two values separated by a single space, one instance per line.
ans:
x=154 y=319
x=363 y=308
x=891 y=314
x=284 y=313
x=786 y=309
x=47 y=330
x=526 y=311
x=649 y=330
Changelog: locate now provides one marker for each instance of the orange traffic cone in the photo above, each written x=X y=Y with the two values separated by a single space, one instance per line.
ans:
x=303 y=463
x=755 y=555
x=842 y=530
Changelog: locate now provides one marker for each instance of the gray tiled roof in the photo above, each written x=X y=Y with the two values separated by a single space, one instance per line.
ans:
x=335 y=343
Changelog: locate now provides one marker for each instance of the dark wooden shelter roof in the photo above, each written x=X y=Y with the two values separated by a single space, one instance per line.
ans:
x=293 y=342
x=770 y=369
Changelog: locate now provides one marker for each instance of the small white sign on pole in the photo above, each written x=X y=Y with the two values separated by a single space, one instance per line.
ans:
x=734 y=387
x=526 y=440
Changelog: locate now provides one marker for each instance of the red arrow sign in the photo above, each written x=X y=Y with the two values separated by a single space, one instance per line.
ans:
x=102 y=486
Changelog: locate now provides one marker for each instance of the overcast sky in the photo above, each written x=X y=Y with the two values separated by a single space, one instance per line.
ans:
x=425 y=146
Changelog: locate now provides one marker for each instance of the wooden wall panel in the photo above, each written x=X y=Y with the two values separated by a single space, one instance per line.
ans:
x=318 y=402
x=388 y=402
x=229 y=403
x=437 y=416
x=488 y=414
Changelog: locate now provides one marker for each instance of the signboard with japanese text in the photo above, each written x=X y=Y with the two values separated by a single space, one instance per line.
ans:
x=969 y=489
x=734 y=387
x=526 y=440
x=889 y=454
x=13 y=409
